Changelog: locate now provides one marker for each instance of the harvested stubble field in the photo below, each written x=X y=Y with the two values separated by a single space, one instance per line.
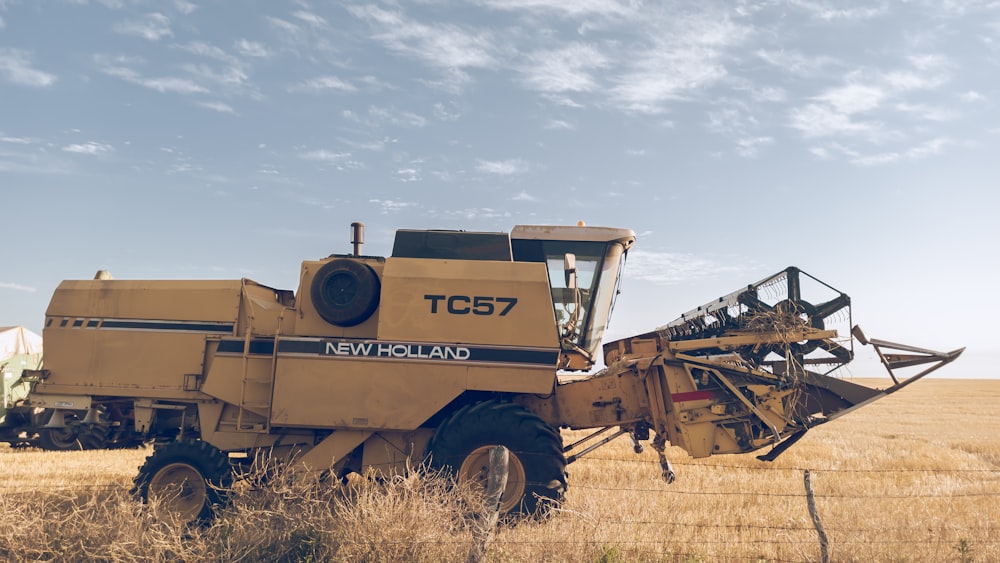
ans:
x=914 y=477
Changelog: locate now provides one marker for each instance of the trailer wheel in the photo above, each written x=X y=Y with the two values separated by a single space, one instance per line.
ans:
x=186 y=479
x=58 y=439
x=536 y=479
x=345 y=292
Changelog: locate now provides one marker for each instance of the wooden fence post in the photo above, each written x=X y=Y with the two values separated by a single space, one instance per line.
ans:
x=817 y=522
x=496 y=482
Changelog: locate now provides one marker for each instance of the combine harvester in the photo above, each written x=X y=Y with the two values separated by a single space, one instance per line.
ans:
x=452 y=345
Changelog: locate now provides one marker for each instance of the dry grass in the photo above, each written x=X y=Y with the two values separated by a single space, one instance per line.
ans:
x=914 y=477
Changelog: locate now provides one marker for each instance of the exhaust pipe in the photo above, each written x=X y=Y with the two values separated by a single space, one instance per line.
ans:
x=357 y=236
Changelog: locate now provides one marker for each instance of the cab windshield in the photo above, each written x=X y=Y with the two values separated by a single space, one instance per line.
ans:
x=582 y=312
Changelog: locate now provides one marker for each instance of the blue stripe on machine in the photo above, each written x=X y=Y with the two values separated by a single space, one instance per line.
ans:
x=193 y=326
x=395 y=350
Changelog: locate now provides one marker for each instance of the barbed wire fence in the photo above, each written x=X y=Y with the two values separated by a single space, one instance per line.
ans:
x=827 y=530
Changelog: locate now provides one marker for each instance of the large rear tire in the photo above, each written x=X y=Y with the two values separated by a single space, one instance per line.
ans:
x=187 y=480
x=536 y=479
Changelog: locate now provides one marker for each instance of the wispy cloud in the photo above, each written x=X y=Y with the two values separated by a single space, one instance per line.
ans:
x=152 y=27
x=557 y=124
x=16 y=68
x=477 y=213
x=795 y=62
x=923 y=150
x=834 y=10
x=524 y=196
x=818 y=120
x=254 y=49
x=685 y=57
x=17 y=287
x=392 y=206
x=92 y=148
x=117 y=67
x=378 y=116
x=449 y=48
x=325 y=155
x=674 y=268
x=408 y=175
x=18 y=140
x=185 y=7
x=576 y=9
x=863 y=104
x=502 y=167
x=567 y=69
x=322 y=84
x=310 y=18
x=217 y=106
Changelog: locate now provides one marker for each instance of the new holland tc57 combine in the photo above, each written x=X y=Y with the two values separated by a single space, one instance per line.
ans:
x=453 y=344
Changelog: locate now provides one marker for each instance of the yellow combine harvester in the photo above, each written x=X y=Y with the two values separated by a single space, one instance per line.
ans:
x=453 y=344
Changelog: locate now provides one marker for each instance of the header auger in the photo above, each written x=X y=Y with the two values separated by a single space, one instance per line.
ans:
x=453 y=344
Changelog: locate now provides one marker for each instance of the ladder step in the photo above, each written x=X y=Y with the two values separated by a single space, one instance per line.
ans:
x=260 y=406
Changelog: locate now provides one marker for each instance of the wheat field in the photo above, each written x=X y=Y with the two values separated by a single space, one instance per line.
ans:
x=913 y=477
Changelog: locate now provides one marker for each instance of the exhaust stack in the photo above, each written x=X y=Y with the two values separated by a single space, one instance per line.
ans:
x=357 y=236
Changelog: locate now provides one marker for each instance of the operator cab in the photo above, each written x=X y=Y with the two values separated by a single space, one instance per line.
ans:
x=584 y=266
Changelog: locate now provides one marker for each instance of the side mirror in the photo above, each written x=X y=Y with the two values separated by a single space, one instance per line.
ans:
x=569 y=270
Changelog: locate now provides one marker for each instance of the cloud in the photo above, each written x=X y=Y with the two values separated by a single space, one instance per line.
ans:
x=575 y=9
x=862 y=106
x=675 y=268
x=972 y=96
x=834 y=10
x=917 y=152
x=185 y=7
x=287 y=27
x=151 y=27
x=17 y=287
x=477 y=213
x=818 y=120
x=502 y=167
x=251 y=49
x=685 y=54
x=524 y=196
x=208 y=50
x=379 y=116
x=18 y=140
x=310 y=18
x=446 y=47
x=392 y=206
x=16 y=67
x=565 y=69
x=322 y=84
x=854 y=98
x=217 y=106
x=749 y=147
x=92 y=148
x=115 y=66
x=795 y=62
x=559 y=124
x=325 y=155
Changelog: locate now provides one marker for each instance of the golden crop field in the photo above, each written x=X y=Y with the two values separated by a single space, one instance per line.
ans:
x=913 y=477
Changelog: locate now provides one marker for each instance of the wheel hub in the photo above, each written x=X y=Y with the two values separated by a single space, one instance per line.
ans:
x=475 y=470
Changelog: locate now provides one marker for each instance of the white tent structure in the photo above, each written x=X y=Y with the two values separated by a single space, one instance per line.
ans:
x=16 y=340
x=20 y=349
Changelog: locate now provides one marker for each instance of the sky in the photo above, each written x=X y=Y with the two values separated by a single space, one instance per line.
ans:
x=222 y=139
